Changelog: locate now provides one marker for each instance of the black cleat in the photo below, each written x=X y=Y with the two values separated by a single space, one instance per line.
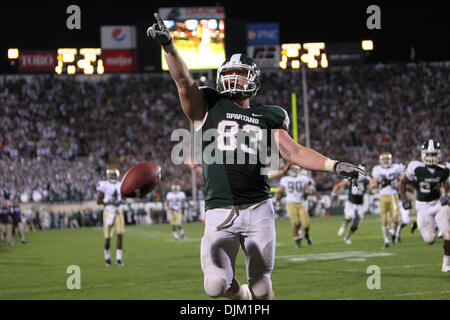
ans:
x=108 y=262
x=413 y=226
x=393 y=239
x=298 y=243
x=120 y=263
x=308 y=239
x=23 y=241
x=386 y=245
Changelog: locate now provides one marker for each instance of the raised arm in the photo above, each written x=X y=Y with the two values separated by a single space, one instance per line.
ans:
x=192 y=101
x=339 y=185
x=312 y=160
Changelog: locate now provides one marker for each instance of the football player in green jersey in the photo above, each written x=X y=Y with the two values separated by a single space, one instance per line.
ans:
x=354 y=209
x=238 y=208
x=428 y=176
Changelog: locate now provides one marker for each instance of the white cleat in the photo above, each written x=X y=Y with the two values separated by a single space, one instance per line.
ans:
x=348 y=241
x=246 y=293
x=445 y=268
x=341 y=231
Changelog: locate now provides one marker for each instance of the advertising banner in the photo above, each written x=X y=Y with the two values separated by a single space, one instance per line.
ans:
x=37 y=61
x=119 y=60
x=118 y=37
x=263 y=33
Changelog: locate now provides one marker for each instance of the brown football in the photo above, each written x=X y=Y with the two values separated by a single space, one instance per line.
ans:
x=140 y=179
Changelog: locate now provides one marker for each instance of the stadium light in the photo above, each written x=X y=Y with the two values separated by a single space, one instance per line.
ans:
x=67 y=54
x=295 y=64
x=71 y=69
x=13 y=53
x=292 y=58
x=367 y=45
x=324 y=61
x=100 y=67
x=89 y=69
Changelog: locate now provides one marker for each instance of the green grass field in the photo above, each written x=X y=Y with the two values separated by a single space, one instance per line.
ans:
x=158 y=268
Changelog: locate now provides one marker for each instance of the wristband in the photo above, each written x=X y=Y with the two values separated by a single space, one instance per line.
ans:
x=329 y=165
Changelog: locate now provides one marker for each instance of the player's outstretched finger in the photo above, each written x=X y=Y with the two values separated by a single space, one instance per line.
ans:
x=159 y=20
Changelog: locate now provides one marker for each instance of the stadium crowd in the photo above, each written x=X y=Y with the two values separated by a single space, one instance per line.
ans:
x=59 y=134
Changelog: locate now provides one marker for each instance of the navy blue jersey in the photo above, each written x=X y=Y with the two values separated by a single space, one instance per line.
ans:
x=4 y=213
x=14 y=211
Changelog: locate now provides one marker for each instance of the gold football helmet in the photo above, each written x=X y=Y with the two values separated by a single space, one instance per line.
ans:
x=294 y=171
x=112 y=174
x=385 y=159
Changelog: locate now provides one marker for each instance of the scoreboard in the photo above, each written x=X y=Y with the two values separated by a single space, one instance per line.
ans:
x=84 y=61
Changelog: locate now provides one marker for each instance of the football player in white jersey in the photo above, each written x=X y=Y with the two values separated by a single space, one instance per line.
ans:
x=295 y=186
x=109 y=195
x=385 y=176
x=175 y=203
x=428 y=177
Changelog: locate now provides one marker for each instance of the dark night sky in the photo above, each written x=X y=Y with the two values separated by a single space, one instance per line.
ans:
x=42 y=24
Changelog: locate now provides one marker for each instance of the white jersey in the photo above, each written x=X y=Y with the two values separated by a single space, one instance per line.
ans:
x=388 y=174
x=295 y=188
x=175 y=199
x=111 y=191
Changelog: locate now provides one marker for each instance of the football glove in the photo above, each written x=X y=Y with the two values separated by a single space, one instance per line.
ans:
x=159 y=32
x=406 y=204
x=349 y=171
x=445 y=199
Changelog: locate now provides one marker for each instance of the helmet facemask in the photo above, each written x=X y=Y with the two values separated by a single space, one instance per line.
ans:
x=293 y=171
x=234 y=85
x=431 y=153
x=385 y=160
x=112 y=175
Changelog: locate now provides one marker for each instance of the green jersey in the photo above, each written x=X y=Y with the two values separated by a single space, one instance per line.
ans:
x=356 y=193
x=427 y=180
x=231 y=153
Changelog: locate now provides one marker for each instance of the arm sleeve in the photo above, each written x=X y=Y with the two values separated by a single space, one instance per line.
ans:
x=410 y=171
x=100 y=186
x=278 y=118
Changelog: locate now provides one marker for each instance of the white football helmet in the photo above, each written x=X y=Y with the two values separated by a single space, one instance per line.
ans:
x=303 y=172
x=385 y=159
x=431 y=152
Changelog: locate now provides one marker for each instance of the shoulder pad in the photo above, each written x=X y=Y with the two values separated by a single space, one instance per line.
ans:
x=211 y=95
